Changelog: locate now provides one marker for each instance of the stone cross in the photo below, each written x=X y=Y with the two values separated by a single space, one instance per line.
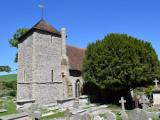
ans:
x=156 y=83
x=122 y=101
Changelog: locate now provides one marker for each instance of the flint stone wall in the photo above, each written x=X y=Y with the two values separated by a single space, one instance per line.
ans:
x=39 y=54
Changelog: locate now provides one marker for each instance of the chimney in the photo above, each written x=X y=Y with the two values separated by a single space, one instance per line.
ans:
x=63 y=34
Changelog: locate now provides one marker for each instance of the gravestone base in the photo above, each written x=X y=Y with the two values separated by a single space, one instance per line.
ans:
x=24 y=104
x=156 y=97
x=65 y=103
x=83 y=99
x=124 y=115
x=76 y=103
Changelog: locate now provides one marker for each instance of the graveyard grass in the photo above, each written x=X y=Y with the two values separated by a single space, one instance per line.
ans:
x=56 y=115
x=9 y=105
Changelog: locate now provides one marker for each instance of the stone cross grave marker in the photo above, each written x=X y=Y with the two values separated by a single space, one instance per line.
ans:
x=156 y=83
x=123 y=113
x=122 y=101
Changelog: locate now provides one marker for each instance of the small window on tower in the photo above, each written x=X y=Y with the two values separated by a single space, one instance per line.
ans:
x=24 y=74
x=52 y=75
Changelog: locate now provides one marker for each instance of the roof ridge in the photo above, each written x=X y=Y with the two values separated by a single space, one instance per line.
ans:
x=76 y=47
x=45 y=26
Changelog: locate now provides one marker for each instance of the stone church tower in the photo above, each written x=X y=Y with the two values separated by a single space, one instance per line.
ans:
x=48 y=69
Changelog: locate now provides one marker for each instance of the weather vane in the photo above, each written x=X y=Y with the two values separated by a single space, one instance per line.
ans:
x=41 y=6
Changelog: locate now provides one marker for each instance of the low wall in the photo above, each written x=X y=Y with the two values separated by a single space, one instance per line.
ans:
x=64 y=103
x=83 y=99
x=19 y=116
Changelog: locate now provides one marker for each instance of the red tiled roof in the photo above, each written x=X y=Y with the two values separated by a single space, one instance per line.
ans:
x=75 y=56
x=43 y=25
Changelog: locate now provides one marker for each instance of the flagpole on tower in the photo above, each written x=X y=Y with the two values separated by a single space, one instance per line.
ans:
x=41 y=6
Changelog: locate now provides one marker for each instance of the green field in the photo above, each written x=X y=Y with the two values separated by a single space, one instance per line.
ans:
x=8 y=78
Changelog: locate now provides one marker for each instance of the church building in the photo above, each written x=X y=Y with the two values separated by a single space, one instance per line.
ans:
x=48 y=68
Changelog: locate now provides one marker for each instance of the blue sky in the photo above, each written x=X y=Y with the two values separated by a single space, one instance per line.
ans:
x=85 y=20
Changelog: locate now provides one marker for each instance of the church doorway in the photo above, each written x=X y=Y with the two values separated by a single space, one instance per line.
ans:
x=78 y=88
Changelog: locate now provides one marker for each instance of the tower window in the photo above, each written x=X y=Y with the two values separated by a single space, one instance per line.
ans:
x=24 y=75
x=52 y=75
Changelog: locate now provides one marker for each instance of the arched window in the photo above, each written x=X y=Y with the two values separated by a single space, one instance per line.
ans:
x=78 y=88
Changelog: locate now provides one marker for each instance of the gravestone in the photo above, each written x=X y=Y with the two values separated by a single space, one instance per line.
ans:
x=110 y=116
x=97 y=118
x=76 y=117
x=134 y=114
x=34 y=111
x=67 y=114
x=3 y=110
x=156 y=94
x=34 y=106
x=2 y=107
x=136 y=101
x=87 y=116
x=156 y=83
x=123 y=113
x=144 y=101
x=122 y=101
x=76 y=103
x=37 y=115
x=143 y=115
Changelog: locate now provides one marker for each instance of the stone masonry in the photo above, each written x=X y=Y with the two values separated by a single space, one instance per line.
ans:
x=44 y=67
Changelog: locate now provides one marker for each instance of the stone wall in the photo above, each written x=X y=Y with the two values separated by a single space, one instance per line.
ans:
x=47 y=53
x=73 y=81
x=39 y=68
x=24 y=77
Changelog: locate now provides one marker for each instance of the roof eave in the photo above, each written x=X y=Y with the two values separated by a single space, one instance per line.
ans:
x=21 y=39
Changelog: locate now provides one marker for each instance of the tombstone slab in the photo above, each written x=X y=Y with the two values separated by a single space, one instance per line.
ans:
x=97 y=118
x=110 y=116
x=3 y=110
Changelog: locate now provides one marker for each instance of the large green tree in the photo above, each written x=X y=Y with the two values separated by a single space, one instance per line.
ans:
x=120 y=61
x=14 y=40
x=5 y=69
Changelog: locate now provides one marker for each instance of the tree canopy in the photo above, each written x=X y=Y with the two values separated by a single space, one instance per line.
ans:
x=14 y=40
x=120 y=60
x=5 y=69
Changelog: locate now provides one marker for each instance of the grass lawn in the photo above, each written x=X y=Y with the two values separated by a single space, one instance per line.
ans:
x=9 y=105
x=114 y=108
x=57 y=115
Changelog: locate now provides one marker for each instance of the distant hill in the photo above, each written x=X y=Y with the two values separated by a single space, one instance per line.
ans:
x=8 y=78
